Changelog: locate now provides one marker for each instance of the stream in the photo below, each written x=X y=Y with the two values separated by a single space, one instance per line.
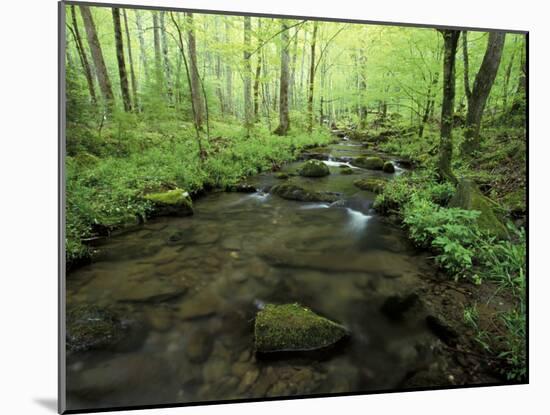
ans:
x=196 y=283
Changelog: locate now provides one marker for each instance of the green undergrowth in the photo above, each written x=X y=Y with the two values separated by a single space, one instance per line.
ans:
x=108 y=177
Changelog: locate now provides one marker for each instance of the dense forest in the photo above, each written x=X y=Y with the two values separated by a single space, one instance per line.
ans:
x=162 y=100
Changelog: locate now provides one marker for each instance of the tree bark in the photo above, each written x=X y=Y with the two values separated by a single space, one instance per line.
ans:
x=166 y=59
x=158 y=58
x=83 y=57
x=228 y=78
x=450 y=39
x=194 y=72
x=481 y=90
x=247 y=78
x=131 y=63
x=284 y=120
x=97 y=57
x=256 y=88
x=142 y=48
x=312 y=77
x=124 y=88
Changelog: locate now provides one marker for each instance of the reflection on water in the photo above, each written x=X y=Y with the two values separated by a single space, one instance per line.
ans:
x=197 y=282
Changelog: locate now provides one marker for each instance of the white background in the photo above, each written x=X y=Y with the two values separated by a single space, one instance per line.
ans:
x=28 y=217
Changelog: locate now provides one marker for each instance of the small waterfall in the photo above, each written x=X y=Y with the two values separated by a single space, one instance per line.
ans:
x=259 y=196
x=315 y=206
x=358 y=220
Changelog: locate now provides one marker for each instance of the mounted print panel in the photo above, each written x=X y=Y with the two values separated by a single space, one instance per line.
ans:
x=262 y=207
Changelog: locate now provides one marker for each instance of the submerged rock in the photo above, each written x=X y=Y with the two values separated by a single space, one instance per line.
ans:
x=171 y=203
x=281 y=176
x=314 y=168
x=370 y=184
x=346 y=170
x=370 y=163
x=90 y=327
x=292 y=327
x=292 y=191
x=396 y=306
x=468 y=196
x=244 y=188
x=388 y=167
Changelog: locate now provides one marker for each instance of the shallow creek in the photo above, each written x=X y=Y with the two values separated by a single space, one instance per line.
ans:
x=198 y=281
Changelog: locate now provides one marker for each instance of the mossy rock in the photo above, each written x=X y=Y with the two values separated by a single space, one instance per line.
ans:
x=175 y=202
x=370 y=185
x=291 y=191
x=346 y=170
x=281 y=176
x=388 y=167
x=86 y=159
x=370 y=163
x=294 y=328
x=90 y=327
x=314 y=168
x=468 y=196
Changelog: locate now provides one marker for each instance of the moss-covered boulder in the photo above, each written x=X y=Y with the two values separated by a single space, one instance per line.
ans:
x=370 y=184
x=388 y=167
x=516 y=203
x=468 y=196
x=346 y=171
x=370 y=163
x=314 y=168
x=90 y=327
x=292 y=327
x=281 y=176
x=291 y=191
x=175 y=202
x=86 y=159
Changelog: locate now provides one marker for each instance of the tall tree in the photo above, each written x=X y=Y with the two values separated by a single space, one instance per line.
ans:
x=228 y=75
x=83 y=56
x=156 y=44
x=166 y=58
x=284 y=120
x=97 y=57
x=125 y=90
x=247 y=78
x=450 y=41
x=312 y=76
x=481 y=90
x=142 y=48
x=256 y=87
x=131 y=62
x=194 y=72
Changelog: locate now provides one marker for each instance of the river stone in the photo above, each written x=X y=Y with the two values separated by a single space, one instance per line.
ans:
x=292 y=327
x=201 y=305
x=281 y=176
x=388 y=167
x=370 y=163
x=244 y=188
x=314 y=168
x=198 y=347
x=468 y=196
x=171 y=203
x=148 y=291
x=346 y=170
x=370 y=184
x=90 y=327
x=292 y=191
x=396 y=306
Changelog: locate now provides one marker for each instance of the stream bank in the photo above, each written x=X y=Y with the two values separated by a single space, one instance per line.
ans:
x=196 y=283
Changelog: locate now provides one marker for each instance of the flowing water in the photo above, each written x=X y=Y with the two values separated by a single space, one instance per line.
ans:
x=197 y=282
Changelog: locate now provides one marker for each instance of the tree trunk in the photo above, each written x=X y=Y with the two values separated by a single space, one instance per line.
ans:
x=131 y=63
x=450 y=39
x=158 y=59
x=166 y=59
x=195 y=80
x=142 y=48
x=292 y=86
x=481 y=90
x=312 y=78
x=256 y=88
x=97 y=57
x=284 y=121
x=83 y=57
x=124 y=88
x=228 y=77
x=218 y=66
x=247 y=87
x=430 y=102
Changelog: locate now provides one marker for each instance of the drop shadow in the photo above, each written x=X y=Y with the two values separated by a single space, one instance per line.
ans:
x=48 y=403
